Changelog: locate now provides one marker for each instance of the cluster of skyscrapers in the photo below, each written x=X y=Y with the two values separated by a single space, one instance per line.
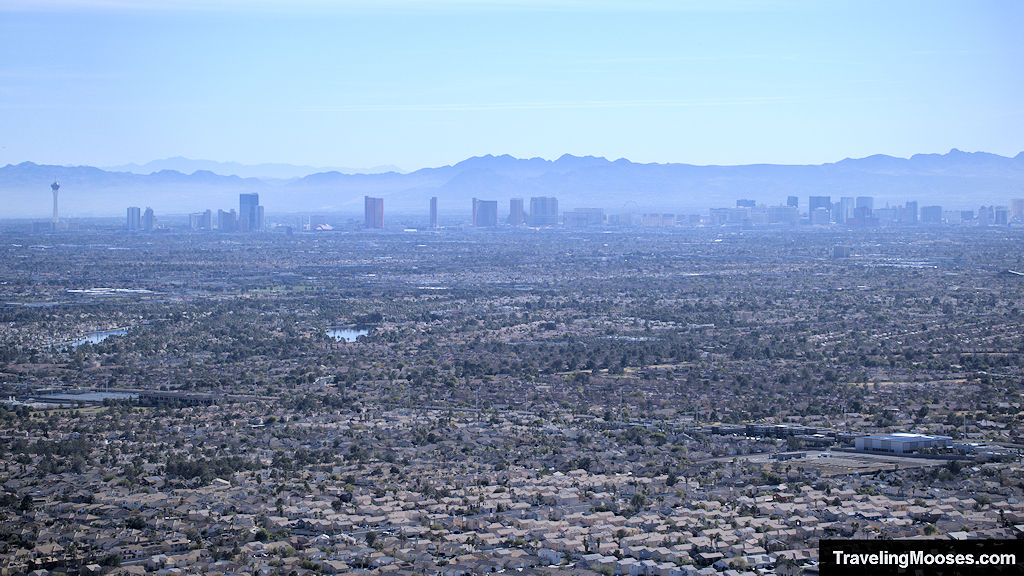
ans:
x=859 y=211
x=248 y=218
x=543 y=212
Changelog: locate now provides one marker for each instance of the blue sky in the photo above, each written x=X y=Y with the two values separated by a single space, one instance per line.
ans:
x=427 y=83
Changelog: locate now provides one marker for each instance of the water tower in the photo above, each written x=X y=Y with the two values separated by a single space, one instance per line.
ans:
x=56 y=215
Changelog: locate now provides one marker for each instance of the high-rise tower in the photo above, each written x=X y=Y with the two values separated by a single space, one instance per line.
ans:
x=516 y=214
x=134 y=219
x=56 y=215
x=543 y=211
x=485 y=213
x=249 y=219
x=373 y=212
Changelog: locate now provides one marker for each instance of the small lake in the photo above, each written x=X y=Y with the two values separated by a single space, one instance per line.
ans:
x=346 y=334
x=97 y=337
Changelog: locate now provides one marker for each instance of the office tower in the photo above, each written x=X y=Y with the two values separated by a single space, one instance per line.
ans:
x=931 y=214
x=1017 y=209
x=134 y=223
x=485 y=213
x=866 y=203
x=783 y=214
x=846 y=206
x=583 y=217
x=986 y=215
x=148 y=220
x=815 y=202
x=248 y=212
x=908 y=213
x=516 y=215
x=227 y=221
x=433 y=212
x=543 y=211
x=658 y=220
x=373 y=212
x=793 y=201
x=200 y=220
x=1002 y=214
x=744 y=203
x=819 y=216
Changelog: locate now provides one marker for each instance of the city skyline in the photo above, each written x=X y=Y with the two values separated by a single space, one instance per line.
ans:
x=427 y=84
x=847 y=211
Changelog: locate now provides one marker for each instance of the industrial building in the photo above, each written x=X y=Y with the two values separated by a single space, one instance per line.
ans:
x=901 y=443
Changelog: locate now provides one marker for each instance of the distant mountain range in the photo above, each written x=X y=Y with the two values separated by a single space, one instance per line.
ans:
x=268 y=170
x=954 y=180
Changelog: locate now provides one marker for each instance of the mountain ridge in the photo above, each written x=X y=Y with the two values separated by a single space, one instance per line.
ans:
x=953 y=179
x=263 y=170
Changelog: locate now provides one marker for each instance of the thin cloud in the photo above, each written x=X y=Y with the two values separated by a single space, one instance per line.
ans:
x=555 y=105
x=51 y=75
x=944 y=52
x=336 y=6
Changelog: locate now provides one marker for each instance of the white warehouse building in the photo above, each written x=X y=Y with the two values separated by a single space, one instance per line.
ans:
x=901 y=442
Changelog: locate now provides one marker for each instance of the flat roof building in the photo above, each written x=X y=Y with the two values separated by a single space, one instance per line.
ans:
x=373 y=212
x=485 y=213
x=250 y=217
x=901 y=443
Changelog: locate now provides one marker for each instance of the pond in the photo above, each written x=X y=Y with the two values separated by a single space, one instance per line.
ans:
x=346 y=334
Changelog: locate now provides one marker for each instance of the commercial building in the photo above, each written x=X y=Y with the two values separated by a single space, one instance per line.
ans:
x=148 y=220
x=433 y=212
x=543 y=211
x=901 y=443
x=931 y=214
x=865 y=203
x=516 y=213
x=819 y=202
x=1017 y=209
x=583 y=217
x=819 y=216
x=134 y=219
x=200 y=220
x=783 y=215
x=658 y=220
x=908 y=213
x=485 y=213
x=846 y=206
x=1002 y=215
x=250 y=213
x=373 y=212
x=227 y=221
x=986 y=215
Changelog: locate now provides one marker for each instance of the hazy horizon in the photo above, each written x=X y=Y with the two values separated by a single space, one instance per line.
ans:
x=140 y=167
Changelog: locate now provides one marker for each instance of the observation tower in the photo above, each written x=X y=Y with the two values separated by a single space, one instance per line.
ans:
x=56 y=215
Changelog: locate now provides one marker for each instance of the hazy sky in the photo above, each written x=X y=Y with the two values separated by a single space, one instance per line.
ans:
x=427 y=83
